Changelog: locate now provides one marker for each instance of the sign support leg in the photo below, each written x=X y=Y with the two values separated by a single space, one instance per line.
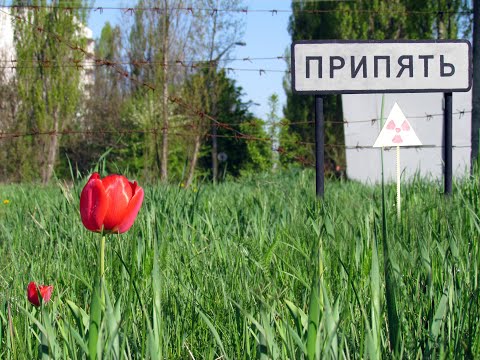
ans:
x=398 y=183
x=447 y=143
x=319 y=146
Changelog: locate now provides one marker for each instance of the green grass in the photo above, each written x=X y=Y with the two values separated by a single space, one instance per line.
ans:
x=244 y=270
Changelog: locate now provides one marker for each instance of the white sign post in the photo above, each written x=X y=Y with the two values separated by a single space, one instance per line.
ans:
x=397 y=132
x=404 y=66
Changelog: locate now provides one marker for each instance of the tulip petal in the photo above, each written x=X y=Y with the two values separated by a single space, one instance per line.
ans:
x=119 y=192
x=32 y=294
x=132 y=210
x=93 y=204
x=46 y=292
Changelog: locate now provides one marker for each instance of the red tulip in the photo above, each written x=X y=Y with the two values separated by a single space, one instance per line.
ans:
x=33 y=290
x=110 y=204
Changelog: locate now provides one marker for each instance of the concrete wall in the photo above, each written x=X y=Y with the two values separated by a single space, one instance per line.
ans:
x=424 y=112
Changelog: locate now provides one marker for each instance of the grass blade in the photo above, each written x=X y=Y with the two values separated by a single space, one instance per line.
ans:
x=214 y=333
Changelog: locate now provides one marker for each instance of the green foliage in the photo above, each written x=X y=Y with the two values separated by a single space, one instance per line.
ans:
x=401 y=19
x=293 y=149
x=8 y=111
x=258 y=149
x=142 y=113
x=245 y=153
x=108 y=46
x=274 y=128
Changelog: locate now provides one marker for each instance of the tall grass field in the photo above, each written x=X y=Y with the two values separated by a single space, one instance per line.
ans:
x=254 y=269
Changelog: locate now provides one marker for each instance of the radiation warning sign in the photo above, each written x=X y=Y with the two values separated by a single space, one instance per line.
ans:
x=397 y=131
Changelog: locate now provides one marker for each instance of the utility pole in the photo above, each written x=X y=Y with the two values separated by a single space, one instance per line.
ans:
x=476 y=84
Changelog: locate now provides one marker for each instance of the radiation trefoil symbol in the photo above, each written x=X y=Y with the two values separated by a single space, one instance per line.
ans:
x=397 y=131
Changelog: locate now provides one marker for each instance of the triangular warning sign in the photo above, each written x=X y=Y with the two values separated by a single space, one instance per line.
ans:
x=397 y=131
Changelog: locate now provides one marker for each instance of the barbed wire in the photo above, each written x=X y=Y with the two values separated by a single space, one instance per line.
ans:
x=192 y=65
x=151 y=62
x=239 y=136
x=373 y=121
x=89 y=66
x=190 y=10
x=285 y=123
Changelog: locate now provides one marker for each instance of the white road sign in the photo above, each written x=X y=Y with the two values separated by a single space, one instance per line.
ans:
x=381 y=66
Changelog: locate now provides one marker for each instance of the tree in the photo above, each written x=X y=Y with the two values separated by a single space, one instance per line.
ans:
x=158 y=37
x=196 y=89
x=48 y=85
x=274 y=123
x=214 y=35
x=257 y=147
x=8 y=114
x=240 y=136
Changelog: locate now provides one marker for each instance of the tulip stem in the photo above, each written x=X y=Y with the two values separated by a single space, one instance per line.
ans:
x=102 y=265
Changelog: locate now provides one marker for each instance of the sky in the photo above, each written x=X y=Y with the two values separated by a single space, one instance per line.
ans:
x=265 y=36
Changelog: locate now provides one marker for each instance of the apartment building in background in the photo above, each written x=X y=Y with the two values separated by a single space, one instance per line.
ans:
x=8 y=54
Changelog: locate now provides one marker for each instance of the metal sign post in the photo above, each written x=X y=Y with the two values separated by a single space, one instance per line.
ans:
x=404 y=66
x=447 y=143
x=319 y=147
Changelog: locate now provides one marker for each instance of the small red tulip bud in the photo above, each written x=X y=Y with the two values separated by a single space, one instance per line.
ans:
x=44 y=290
